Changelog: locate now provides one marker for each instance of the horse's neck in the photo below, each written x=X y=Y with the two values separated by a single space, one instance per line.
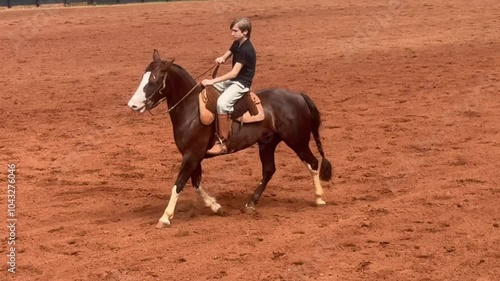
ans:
x=185 y=106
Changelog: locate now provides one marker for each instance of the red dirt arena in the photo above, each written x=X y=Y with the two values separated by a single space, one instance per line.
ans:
x=409 y=93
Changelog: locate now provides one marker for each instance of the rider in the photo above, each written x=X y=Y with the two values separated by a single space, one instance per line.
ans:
x=236 y=82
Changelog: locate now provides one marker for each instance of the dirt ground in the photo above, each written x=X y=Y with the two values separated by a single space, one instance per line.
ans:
x=410 y=98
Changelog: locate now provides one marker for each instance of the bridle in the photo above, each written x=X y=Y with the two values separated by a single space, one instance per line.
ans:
x=158 y=91
x=163 y=85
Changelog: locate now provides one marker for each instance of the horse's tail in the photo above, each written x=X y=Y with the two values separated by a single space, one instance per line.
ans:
x=325 y=172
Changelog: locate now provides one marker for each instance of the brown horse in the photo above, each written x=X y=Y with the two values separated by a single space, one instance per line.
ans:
x=290 y=117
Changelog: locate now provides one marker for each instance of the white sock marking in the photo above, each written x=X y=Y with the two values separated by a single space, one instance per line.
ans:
x=318 y=190
x=209 y=200
x=169 y=211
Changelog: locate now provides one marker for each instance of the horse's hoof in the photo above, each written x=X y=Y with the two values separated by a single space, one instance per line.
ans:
x=161 y=225
x=220 y=212
x=216 y=208
x=320 y=203
x=249 y=210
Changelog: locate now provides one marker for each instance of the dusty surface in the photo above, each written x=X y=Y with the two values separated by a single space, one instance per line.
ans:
x=409 y=92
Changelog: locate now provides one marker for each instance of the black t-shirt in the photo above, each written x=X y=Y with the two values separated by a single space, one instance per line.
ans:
x=244 y=54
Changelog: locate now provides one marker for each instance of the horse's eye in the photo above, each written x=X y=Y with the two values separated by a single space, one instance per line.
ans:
x=154 y=77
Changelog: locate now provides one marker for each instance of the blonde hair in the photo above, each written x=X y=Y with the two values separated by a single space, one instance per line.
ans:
x=243 y=24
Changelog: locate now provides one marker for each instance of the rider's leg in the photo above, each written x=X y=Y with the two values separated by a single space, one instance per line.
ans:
x=225 y=105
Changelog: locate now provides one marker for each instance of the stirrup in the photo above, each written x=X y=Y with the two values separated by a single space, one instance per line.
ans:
x=218 y=148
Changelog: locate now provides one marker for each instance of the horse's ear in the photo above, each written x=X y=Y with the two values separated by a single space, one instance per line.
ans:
x=156 y=55
x=168 y=64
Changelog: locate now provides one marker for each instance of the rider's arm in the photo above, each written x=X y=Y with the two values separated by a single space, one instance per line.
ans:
x=230 y=75
x=223 y=58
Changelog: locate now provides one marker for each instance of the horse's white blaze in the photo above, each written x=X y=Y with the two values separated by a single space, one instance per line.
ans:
x=209 y=200
x=318 y=190
x=169 y=211
x=138 y=100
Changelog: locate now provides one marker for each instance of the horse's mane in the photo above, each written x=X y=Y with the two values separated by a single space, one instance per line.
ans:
x=182 y=72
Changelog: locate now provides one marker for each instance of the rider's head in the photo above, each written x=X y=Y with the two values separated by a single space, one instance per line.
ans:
x=243 y=24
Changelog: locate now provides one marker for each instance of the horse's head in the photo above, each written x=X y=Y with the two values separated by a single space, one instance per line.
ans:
x=150 y=91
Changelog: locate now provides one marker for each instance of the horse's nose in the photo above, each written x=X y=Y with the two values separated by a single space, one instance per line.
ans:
x=134 y=107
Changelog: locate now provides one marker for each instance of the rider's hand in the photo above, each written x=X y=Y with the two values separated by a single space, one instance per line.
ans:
x=207 y=82
x=220 y=60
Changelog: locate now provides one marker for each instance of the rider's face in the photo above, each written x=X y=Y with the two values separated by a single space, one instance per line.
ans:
x=237 y=33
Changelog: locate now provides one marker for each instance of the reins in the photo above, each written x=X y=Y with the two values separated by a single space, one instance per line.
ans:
x=214 y=73
x=185 y=96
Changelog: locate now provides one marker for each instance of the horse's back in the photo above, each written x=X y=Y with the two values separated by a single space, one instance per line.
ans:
x=282 y=99
x=286 y=110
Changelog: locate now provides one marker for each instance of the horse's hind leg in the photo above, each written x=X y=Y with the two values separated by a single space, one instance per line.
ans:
x=267 y=148
x=207 y=199
x=312 y=165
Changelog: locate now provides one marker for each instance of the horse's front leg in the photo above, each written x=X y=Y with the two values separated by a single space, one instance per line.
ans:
x=207 y=199
x=188 y=165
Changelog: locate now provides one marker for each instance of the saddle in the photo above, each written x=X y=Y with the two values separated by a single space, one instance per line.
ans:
x=248 y=109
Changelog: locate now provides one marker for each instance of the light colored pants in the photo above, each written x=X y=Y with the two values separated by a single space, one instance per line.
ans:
x=231 y=91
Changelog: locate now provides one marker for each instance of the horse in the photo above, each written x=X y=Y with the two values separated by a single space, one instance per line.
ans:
x=289 y=116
